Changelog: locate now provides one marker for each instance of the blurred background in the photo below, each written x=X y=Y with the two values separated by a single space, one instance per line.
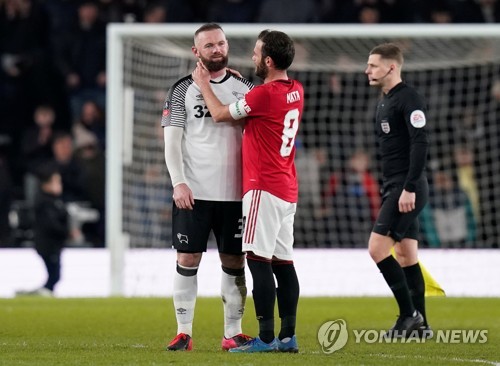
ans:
x=53 y=82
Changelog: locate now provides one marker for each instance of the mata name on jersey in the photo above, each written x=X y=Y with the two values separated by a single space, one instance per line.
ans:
x=293 y=96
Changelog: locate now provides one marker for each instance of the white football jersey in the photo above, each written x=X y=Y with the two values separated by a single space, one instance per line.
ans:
x=211 y=152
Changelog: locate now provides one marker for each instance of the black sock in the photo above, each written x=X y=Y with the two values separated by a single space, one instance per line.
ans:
x=395 y=278
x=288 y=296
x=416 y=284
x=264 y=297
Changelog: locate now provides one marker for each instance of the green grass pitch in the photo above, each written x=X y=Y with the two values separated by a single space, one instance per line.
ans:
x=134 y=331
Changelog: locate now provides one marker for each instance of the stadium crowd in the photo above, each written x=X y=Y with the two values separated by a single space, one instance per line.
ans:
x=53 y=82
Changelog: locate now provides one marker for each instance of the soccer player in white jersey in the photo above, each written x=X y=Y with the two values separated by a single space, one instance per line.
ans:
x=204 y=163
x=273 y=112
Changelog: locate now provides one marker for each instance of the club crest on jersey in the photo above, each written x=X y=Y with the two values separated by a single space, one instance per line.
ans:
x=417 y=119
x=386 y=128
x=238 y=95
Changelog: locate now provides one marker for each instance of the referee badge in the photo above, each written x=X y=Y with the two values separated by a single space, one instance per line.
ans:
x=386 y=128
x=417 y=118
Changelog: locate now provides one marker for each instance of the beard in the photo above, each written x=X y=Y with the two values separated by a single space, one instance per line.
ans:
x=261 y=70
x=214 y=66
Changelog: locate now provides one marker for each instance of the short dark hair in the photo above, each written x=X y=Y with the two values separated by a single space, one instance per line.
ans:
x=207 y=27
x=279 y=46
x=46 y=170
x=389 y=51
x=61 y=134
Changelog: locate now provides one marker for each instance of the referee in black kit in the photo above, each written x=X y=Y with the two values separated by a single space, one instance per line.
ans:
x=403 y=145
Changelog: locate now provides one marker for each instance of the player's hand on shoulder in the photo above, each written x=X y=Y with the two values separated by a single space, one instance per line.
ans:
x=200 y=74
x=234 y=72
x=183 y=197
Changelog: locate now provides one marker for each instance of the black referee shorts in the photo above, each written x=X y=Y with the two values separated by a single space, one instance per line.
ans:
x=399 y=225
x=191 y=228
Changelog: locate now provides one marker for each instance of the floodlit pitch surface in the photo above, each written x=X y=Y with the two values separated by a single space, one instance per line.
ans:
x=134 y=331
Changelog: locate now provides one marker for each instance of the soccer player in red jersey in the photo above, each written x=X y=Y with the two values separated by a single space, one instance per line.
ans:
x=273 y=112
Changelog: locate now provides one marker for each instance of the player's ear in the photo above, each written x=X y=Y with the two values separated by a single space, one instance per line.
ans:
x=195 y=51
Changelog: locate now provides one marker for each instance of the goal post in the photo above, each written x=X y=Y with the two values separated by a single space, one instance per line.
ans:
x=455 y=67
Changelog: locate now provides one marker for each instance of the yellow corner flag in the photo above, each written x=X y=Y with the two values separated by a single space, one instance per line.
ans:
x=432 y=288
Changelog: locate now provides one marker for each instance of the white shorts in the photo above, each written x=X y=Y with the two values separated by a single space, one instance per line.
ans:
x=268 y=228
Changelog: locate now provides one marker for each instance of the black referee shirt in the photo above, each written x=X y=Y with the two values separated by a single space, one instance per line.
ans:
x=402 y=135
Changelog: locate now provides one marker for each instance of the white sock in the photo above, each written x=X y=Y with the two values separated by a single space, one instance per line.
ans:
x=234 y=294
x=185 y=291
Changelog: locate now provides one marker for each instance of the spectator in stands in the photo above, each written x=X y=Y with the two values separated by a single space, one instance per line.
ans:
x=234 y=11
x=69 y=168
x=38 y=139
x=25 y=67
x=466 y=175
x=476 y=11
x=369 y=14
x=6 y=190
x=155 y=12
x=51 y=227
x=341 y=11
x=448 y=220
x=353 y=200
x=288 y=11
x=92 y=122
x=441 y=16
x=76 y=188
x=187 y=11
x=23 y=42
x=153 y=200
x=81 y=58
x=121 y=11
x=399 y=11
x=62 y=15
x=92 y=161
x=486 y=165
x=36 y=148
x=369 y=11
x=437 y=12
x=310 y=164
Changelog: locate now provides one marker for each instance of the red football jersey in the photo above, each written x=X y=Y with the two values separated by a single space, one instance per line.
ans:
x=274 y=111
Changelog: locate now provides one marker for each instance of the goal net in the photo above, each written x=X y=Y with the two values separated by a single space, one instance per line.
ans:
x=456 y=68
